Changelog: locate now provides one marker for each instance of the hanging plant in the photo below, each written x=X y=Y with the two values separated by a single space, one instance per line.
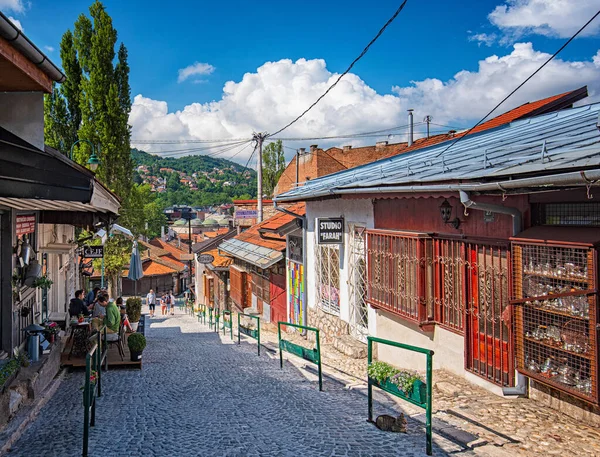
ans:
x=42 y=282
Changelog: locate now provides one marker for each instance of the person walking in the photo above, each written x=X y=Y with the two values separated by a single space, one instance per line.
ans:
x=172 y=302
x=163 y=305
x=151 y=302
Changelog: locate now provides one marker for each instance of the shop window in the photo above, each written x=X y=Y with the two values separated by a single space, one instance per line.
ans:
x=328 y=278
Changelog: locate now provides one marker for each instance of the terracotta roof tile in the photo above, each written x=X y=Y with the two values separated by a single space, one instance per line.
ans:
x=220 y=261
x=252 y=235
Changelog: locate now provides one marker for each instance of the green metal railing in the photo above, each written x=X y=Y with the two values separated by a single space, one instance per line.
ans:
x=210 y=317
x=312 y=355
x=227 y=323
x=392 y=389
x=217 y=316
x=91 y=389
x=250 y=332
x=202 y=314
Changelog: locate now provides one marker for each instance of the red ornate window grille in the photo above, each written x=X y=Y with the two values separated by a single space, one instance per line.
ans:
x=398 y=274
x=450 y=283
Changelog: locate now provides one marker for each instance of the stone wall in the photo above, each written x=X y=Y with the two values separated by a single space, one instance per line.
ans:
x=331 y=326
x=566 y=404
x=29 y=384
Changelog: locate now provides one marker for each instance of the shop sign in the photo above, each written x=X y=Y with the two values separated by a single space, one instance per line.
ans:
x=294 y=246
x=25 y=224
x=205 y=258
x=330 y=230
x=93 y=252
x=246 y=214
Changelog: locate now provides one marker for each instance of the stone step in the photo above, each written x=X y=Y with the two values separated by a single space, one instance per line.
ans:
x=350 y=347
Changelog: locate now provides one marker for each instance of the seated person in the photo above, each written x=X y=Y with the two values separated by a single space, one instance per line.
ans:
x=77 y=306
x=112 y=318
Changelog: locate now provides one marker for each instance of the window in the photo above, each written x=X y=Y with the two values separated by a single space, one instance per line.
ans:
x=450 y=264
x=396 y=273
x=328 y=278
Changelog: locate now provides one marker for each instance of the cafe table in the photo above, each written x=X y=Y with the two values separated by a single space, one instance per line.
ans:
x=80 y=338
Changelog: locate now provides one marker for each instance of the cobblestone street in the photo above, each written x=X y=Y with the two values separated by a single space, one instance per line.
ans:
x=199 y=394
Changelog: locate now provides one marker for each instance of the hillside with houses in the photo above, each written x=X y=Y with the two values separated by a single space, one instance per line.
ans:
x=194 y=180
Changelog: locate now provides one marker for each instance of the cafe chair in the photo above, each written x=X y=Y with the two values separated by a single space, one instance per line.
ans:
x=116 y=338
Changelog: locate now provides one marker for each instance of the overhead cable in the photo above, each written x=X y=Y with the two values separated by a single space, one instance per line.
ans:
x=365 y=50
x=522 y=84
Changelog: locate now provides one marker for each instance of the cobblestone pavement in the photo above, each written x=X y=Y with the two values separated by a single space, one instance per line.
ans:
x=200 y=395
x=513 y=427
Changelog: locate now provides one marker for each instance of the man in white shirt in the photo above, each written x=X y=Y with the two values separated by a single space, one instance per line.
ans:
x=151 y=302
x=172 y=301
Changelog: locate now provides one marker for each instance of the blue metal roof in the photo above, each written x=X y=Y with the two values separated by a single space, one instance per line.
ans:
x=256 y=255
x=566 y=140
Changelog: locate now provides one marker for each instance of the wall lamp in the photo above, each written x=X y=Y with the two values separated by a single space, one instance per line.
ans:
x=446 y=212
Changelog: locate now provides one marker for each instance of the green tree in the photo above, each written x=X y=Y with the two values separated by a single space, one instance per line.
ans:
x=273 y=166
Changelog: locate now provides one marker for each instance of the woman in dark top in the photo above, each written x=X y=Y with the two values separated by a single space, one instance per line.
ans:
x=77 y=307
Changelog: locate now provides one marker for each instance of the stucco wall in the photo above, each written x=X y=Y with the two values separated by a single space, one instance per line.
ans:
x=448 y=346
x=354 y=211
x=22 y=113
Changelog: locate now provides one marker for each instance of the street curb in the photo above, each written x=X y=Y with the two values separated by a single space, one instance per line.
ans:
x=21 y=422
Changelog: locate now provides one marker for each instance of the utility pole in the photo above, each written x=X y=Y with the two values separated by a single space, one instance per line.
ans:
x=259 y=138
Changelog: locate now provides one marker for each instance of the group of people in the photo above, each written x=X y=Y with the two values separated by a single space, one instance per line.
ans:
x=104 y=310
x=166 y=301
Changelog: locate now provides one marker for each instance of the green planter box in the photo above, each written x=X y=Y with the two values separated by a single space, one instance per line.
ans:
x=253 y=333
x=417 y=395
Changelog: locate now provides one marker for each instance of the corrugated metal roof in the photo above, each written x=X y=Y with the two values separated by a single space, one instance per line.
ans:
x=256 y=255
x=566 y=140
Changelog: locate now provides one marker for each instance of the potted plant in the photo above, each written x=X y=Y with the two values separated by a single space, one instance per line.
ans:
x=134 y=311
x=404 y=383
x=51 y=331
x=136 y=343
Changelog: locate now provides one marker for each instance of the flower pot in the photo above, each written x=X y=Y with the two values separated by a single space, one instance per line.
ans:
x=136 y=356
x=51 y=337
x=418 y=394
x=134 y=325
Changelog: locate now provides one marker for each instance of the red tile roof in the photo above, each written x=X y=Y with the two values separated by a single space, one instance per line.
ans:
x=220 y=261
x=319 y=162
x=252 y=235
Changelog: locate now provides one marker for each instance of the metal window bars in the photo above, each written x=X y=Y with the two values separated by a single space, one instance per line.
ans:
x=328 y=278
x=359 y=316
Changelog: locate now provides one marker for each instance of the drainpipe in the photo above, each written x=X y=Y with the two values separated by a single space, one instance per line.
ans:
x=522 y=381
x=304 y=230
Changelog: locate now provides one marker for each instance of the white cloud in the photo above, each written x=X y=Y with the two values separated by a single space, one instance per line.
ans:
x=196 y=69
x=471 y=94
x=16 y=6
x=277 y=92
x=487 y=39
x=49 y=48
x=553 y=18
x=16 y=22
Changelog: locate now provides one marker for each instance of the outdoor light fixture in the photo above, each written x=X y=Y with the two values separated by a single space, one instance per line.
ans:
x=93 y=162
x=446 y=212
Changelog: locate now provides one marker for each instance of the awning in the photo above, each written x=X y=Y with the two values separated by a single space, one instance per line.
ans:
x=47 y=181
x=256 y=255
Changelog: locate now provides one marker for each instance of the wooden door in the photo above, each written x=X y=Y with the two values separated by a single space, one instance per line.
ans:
x=488 y=352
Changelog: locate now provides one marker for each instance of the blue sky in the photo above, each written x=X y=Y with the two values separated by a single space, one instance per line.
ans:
x=435 y=39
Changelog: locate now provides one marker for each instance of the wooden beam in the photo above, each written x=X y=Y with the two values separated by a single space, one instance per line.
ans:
x=28 y=72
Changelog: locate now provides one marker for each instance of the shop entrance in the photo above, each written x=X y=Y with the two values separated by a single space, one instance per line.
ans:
x=488 y=352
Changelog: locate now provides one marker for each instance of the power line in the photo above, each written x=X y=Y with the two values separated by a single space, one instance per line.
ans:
x=365 y=50
x=350 y=135
x=523 y=83
x=187 y=141
x=182 y=152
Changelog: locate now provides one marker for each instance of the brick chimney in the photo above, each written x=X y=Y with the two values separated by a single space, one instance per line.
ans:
x=301 y=151
x=381 y=144
x=313 y=147
x=347 y=148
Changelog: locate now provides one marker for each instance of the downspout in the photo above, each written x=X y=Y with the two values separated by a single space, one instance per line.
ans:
x=304 y=230
x=521 y=388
